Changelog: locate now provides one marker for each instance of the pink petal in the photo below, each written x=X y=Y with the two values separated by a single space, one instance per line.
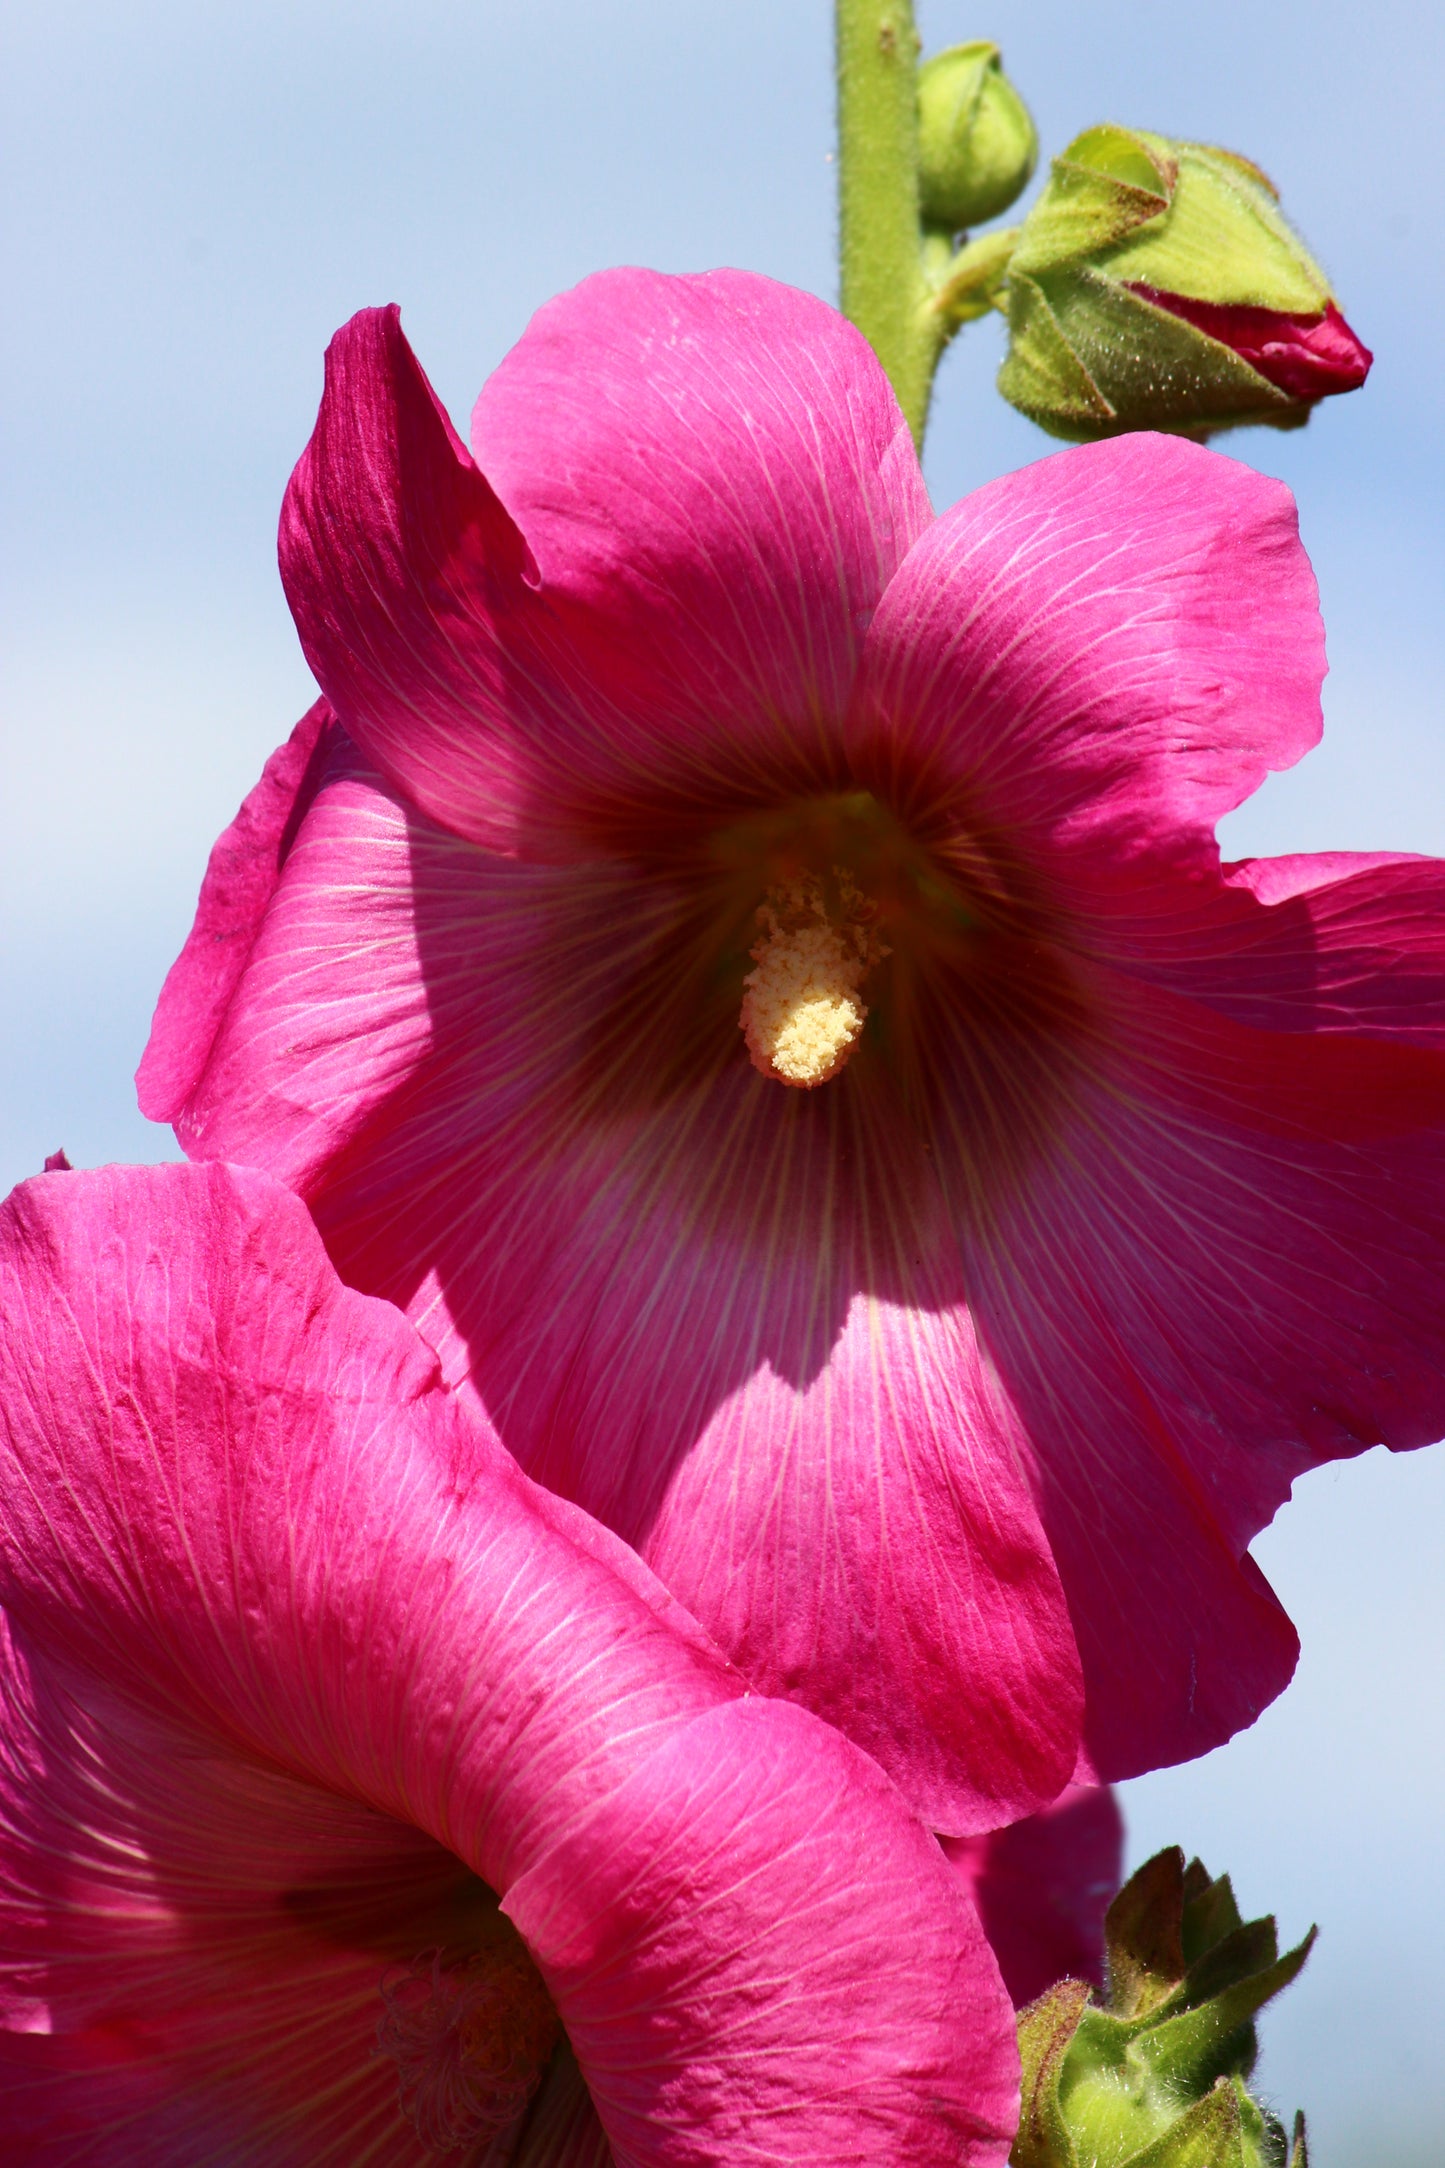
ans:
x=1225 y=1271
x=413 y=592
x=562 y=2129
x=674 y=1317
x=241 y=877
x=715 y=472
x=1042 y=1887
x=869 y=2056
x=330 y=1016
x=236 y=1491
x=540 y=702
x=1335 y=942
x=78 y=2097
x=854 y=1529
x=1093 y=659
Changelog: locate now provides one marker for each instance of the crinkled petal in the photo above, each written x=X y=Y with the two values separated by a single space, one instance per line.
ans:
x=1094 y=658
x=545 y=699
x=213 y=1938
x=237 y=1491
x=860 y=2054
x=313 y=1585
x=1225 y=1270
x=1042 y=1887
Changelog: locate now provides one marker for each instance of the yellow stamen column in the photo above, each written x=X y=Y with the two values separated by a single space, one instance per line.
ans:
x=802 y=1012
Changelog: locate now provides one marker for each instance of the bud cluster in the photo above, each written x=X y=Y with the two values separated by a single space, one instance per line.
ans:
x=1154 y=2075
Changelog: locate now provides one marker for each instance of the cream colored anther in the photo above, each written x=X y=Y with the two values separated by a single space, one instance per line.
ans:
x=802 y=1012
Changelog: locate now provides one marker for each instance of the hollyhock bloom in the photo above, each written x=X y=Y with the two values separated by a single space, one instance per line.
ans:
x=361 y=1802
x=747 y=965
x=1042 y=1887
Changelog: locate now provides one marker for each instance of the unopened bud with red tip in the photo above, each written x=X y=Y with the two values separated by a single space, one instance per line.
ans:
x=977 y=145
x=1157 y=285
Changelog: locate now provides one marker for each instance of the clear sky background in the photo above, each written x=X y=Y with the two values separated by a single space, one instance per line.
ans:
x=198 y=194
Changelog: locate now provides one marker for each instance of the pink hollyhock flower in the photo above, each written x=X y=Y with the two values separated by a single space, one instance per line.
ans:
x=1042 y=1887
x=674 y=757
x=361 y=1802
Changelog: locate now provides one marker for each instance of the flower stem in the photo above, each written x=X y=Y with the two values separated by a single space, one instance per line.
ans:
x=884 y=288
x=974 y=278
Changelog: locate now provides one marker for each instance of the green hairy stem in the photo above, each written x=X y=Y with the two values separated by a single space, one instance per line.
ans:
x=902 y=281
x=884 y=288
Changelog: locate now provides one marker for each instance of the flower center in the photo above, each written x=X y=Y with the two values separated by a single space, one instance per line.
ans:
x=802 y=1011
x=470 y=2039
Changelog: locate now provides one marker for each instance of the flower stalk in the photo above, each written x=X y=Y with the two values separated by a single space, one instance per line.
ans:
x=884 y=289
x=905 y=281
x=976 y=280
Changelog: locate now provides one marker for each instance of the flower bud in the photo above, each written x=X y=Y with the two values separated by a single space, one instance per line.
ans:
x=977 y=146
x=1156 y=285
x=1153 y=2076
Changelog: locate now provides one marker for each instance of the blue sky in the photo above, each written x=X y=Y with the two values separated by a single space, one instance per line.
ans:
x=197 y=195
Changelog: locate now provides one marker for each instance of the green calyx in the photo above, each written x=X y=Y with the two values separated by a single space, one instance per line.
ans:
x=1155 y=2075
x=1089 y=355
x=977 y=144
x=1180 y=216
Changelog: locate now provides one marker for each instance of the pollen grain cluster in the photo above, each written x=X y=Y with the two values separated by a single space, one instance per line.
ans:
x=802 y=1012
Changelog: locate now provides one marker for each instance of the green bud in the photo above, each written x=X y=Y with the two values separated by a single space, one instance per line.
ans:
x=977 y=145
x=1157 y=285
x=1154 y=2076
